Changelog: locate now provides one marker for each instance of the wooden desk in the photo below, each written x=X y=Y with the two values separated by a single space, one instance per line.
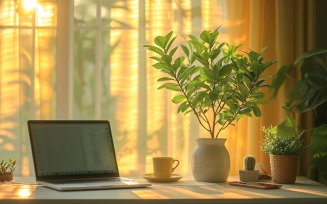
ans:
x=184 y=191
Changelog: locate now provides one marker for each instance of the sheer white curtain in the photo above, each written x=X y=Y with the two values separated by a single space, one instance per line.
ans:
x=27 y=74
x=84 y=59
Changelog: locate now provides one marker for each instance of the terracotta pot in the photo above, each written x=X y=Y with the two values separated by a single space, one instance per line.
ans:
x=6 y=177
x=284 y=168
x=211 y=162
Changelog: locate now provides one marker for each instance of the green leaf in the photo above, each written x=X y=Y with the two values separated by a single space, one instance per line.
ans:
x=256 y=111
x=319 y=150
x=155 y=49
x=244 y=90
x=207 y=102
x=187 y=112
x=256 y=68
x=168 y=36
x=193 y=38
x=232 y=105
x=310 y=53
x=206 y=37
x=239 y=97
x=188 y=73
x=191 y=85
x=214 y=53
x=160 y=65
x=168 y=72
x=287 y=128
x=221 y=46
x=172 y=52
x=160 y=41
x=310 y=92
x=247 y=81
x=167 y=59
x=199 y=99
x=263 y=50
x=193 y=58
x=183 y=107
x=179 y=61
x=189 y=94
x=156 y=58
x=267 y=64
x=213 y=96
x=178 y=99
x=258 y=95
x=279 y=79
x=180 y=72
x=307 y=95
x=207 y=73
x=254 y=56
x=165 y=79
x=202 y=60
x=170 y=86
x=205 y=56
x=245 y=109
x=214 y=35
x=170 y=42
x=203 y=85
x=314 y=65
x=259 y=83
x=297 y=94
x=185 y=50
x=225 y=70
x=216 y=70
x=199 y=47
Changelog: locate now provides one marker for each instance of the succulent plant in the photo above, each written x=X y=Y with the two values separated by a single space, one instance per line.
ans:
x=249 y=163
x=7 y=167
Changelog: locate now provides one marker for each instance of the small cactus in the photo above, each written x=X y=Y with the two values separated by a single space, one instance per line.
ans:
x=249 y=163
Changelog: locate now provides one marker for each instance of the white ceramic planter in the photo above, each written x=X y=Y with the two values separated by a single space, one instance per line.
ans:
x=211 y=161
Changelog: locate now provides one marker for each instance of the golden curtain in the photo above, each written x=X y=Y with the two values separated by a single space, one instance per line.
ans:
x=287 y=28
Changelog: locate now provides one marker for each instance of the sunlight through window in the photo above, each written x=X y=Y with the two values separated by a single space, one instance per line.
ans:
x=29 y=5
x=108 y=74
x=24 y=192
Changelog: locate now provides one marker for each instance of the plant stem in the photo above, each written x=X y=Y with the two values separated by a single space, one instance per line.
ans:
x=227 y=123
x=213 y=121
x=193 y=108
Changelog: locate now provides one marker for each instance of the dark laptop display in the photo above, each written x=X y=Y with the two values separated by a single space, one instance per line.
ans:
x=67 y=149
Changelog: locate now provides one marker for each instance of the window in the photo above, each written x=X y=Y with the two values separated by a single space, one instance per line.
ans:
x=113 y=77
x=84 y=60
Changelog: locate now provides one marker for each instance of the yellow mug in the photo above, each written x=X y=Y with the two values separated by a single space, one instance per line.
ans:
x=163 y=167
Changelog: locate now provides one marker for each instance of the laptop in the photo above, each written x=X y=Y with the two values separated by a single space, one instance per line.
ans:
x=76 y=155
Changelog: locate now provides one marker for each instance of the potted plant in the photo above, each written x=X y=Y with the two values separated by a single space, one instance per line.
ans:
x=218 y=84
x=7 y=169
x=309 y=94
x=283 y=143
x=249 y=174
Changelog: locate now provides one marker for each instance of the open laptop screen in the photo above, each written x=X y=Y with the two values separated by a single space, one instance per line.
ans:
x=72 y=149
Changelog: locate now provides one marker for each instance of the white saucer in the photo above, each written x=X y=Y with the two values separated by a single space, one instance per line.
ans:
x=152 y=178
